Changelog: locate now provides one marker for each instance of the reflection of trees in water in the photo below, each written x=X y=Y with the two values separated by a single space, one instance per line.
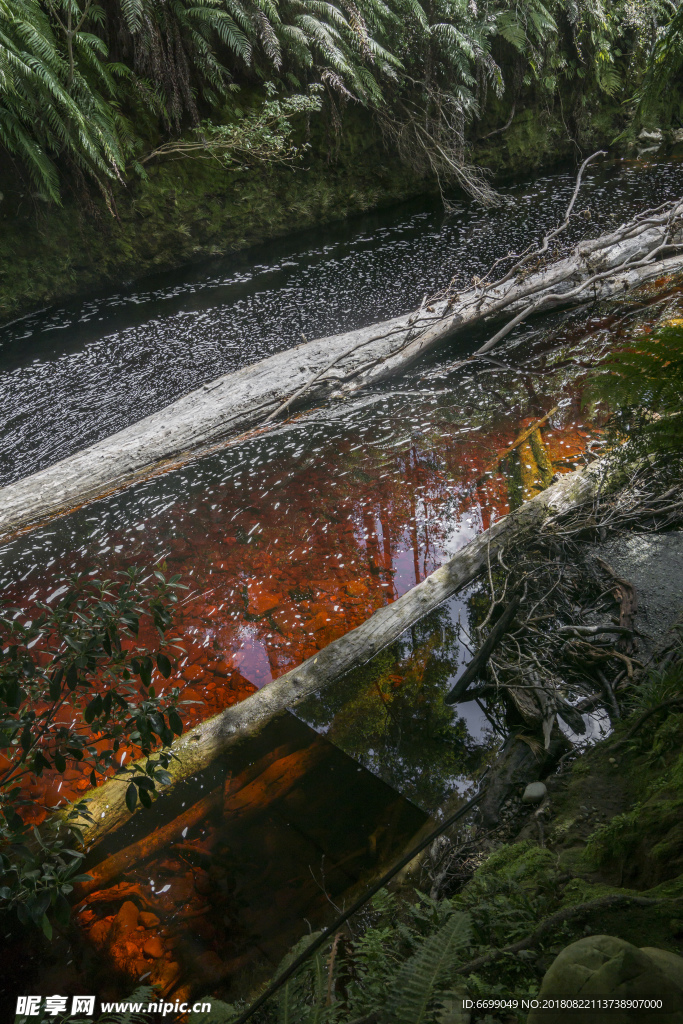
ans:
x=390 y=714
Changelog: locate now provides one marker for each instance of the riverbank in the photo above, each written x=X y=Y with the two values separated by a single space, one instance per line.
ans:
x=188 y=211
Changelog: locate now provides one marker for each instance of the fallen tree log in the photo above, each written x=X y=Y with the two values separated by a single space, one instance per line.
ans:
x=203 y=744
x=638 y=252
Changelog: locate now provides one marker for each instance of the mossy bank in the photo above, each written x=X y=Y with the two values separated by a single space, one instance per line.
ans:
x=191 y=210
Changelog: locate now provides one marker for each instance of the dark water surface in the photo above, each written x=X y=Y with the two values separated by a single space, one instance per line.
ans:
x=73 y=375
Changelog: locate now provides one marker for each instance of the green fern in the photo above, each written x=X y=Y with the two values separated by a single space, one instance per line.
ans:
x=664 y=66
x=425 y=72
x=303 y=998
x=220 y=1012
x=55 y=94
x=641 y=387
x=416 y=983
x=144 y=995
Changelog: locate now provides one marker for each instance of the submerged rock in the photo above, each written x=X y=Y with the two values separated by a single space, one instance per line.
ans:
x=148 y=920
x=154 y=947
x=126 y=921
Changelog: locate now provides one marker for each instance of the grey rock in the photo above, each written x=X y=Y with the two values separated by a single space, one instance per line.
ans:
x=534 y=793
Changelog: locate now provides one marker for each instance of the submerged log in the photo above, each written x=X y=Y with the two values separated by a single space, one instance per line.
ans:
x=203 y=744
x=249 y=398
x=256 y=788
x=478 y=662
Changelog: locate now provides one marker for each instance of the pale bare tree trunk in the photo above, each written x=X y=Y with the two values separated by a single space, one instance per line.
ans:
x=638 y=252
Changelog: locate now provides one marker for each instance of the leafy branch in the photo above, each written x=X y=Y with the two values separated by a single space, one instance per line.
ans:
x=264 y=134
x=79 y=675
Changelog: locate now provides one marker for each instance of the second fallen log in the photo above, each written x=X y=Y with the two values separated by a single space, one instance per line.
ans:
x=204 y=743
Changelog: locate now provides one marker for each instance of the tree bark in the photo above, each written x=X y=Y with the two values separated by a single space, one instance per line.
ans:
x=203 y=744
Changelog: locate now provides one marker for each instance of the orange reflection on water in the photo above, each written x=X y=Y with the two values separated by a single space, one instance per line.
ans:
x=285 y=559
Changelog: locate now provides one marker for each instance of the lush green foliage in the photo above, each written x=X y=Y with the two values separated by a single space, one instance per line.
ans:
x=57 y=92
x=265 y=133
x=664 y=66
x=77 y=692
x=89 y=87
x=399 y=969
x=649 y=831
x=641 y=386
x=401 y=964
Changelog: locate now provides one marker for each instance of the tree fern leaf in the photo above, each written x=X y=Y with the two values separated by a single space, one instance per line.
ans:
x=133 y=12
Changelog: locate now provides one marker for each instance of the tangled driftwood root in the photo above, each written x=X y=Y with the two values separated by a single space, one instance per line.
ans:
x=566 y=643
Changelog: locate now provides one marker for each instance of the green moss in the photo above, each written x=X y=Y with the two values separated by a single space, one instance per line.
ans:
x=526 y=862
x=637 y=852
x=186 y=211
x=544 y=132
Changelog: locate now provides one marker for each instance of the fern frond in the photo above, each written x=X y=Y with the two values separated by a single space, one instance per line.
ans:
x=415 y=985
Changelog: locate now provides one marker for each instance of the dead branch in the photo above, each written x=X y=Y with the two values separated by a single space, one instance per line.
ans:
x=560 y=229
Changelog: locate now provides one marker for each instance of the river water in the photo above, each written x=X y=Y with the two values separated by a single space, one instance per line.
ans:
x=291 y=538
x=70 y=376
